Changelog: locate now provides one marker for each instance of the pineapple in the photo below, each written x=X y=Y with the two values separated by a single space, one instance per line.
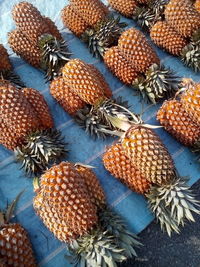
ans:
x=197 y=5
x=190 y=100
x=166 y=37
x=27 y=128
x=90 y=10
x=94 y=188
x=71 y=203
x=15 y=247
x=65 y=97
x=119 y=165
x=6 y=69
x=23 y=47
x=158 y=81
x=181 y=15
x=88 y=20
x=173 y=117
x=168 y=195
x=125 y=8
x=73 y=20
x=37 y=40
x=121 y=67
x=86 y=82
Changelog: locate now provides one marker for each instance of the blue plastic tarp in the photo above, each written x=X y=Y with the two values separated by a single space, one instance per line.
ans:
x=133 y=207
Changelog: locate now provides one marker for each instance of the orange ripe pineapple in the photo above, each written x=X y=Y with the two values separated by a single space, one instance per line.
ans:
x=166 y=37
x=64 y=188
x=173 y=117
x=39 y=104
x=197 y=5
x=95 y=190
x=190 y=100
x=89 y=20
x=90 y=10
x=15 y=246
x=158 y=81
x=53 y=30
x=137 y=50
x=104 y=84
x=82 y=81
x=119 y=65
x=182 y=15
x=168 y=195
x=148 y=154
x=65 y=96
x=38 y=40
x=125 y=8
x=66 y=200
x=119 y=165
x=27 y=128
x=23 y=47
x=73 y=20
x=31 y=22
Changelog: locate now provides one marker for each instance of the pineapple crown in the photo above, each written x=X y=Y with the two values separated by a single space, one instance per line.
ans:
x=40 y=149
x=113 y=243
x=97 y=120
x=9 y=75
x=103 y=35
x=172 y=204
x=190 y=55
x=54 y=55
x=159 y=82
x=6 y=216
x=147 y=16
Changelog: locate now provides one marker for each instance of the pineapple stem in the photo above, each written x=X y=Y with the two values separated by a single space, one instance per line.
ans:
x=36 y=184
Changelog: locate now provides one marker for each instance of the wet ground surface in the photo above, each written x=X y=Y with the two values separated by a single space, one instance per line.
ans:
x=159 y=250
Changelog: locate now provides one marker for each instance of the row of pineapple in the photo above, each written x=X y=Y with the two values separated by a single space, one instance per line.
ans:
x=69 y=198
x=173 y=25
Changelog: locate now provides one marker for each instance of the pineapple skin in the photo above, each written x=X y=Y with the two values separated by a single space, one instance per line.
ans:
x=182 y=16
x=119 y=65
x=137 y=50
x=173 y=117
x=119 y=165
x=24 y=48
x=53 y=30
x=92 y=11
x=125 y=8
x=197 y=5
x=104 y=84
x=37 y=101
x=190 y=100
x=17 y=114
x=72 y=20
x=65 y=96
x=15 y=246
x=64 y=195
x=166 y=37
x=5 y=61
x=30 y=21
x=146 y=151
x=82 y=80
x=95 y=190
